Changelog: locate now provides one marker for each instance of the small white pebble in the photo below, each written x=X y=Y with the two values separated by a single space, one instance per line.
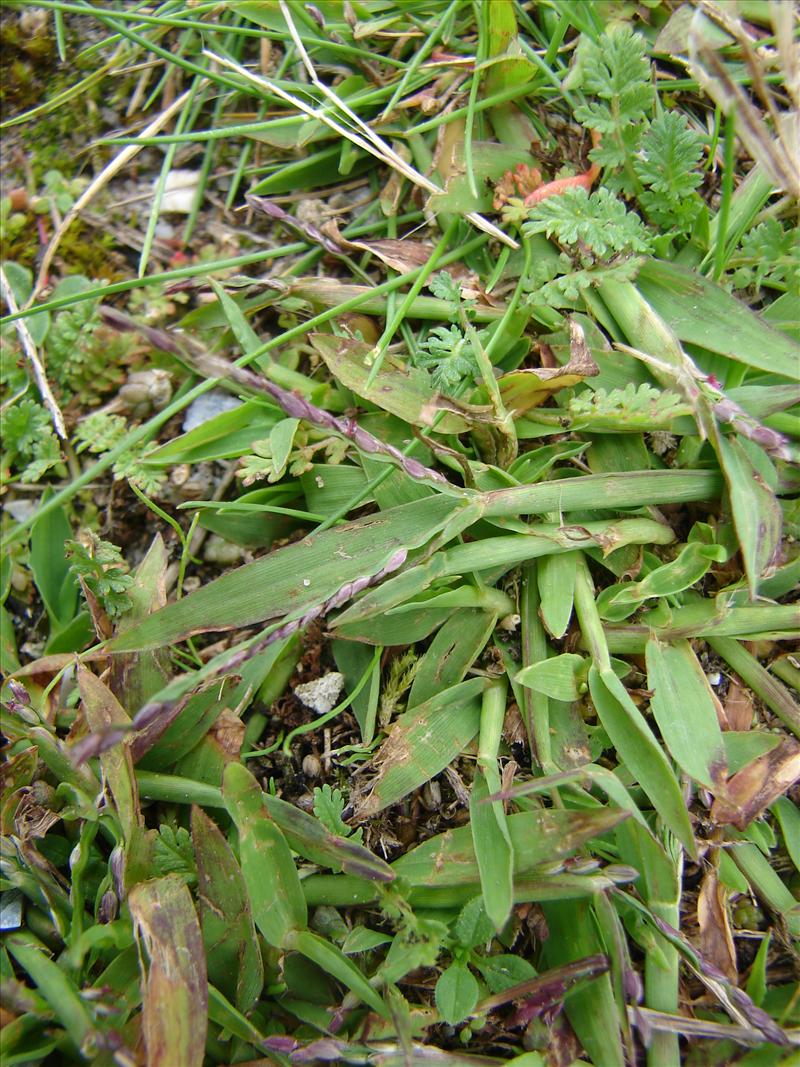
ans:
x=322 y=694
x=208 y=405
x=306 y=582
x=714 y=678
x=179 y=191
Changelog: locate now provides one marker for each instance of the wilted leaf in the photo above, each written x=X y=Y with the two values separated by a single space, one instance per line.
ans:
x=103 y=712
x=738 y=707
x=401 y=255
x=522 y=390
x=757 y=785
x=716 y=940
x=175 y=996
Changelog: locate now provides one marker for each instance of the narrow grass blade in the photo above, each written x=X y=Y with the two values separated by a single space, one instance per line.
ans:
x=494 y=851
x=537 y=838
x=491 y=838
x=308 y=836
x=604 y=491
x=232 y=952
x=683 y=706
x=788 y=815
x=591 y=1009
x=422 y=742
x=703 y=313
x=451 y=653
x=556 y=578
x=640 y=752
x=757 y=514
x=334 y=962
x=294 y=579
x=637 y=748
x=273 y=884
x=55 y=986
x=175 y=997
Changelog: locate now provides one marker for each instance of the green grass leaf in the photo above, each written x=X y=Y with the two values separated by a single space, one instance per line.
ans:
x=292 y=580
x=229 y=935
x=640 y=752
x=684 y=708
x=273 y=885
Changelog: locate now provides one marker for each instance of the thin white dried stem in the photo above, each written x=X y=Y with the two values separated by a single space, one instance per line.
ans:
x=102 y=179
x=367 y=139
x=32 y=356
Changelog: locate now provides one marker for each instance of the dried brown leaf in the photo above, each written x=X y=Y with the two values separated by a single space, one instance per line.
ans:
x=716 y=940
x=175 y=990
x=738 y=709
x=755 y=786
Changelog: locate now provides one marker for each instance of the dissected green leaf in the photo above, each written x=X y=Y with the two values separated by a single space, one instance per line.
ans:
x=399 y=388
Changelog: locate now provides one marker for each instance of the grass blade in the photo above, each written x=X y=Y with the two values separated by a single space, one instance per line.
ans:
x=273 y=885
x=175 y=998
x=683 y=706
x=424 y=741
x=232 y=952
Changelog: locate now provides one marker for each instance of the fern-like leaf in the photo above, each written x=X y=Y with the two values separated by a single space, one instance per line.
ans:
x=598 y=221
x=448 y=355
x=769 y=255
x=328 y=807
x=670 y=152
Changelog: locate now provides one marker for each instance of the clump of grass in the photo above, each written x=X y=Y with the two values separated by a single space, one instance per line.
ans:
x=531 y=496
